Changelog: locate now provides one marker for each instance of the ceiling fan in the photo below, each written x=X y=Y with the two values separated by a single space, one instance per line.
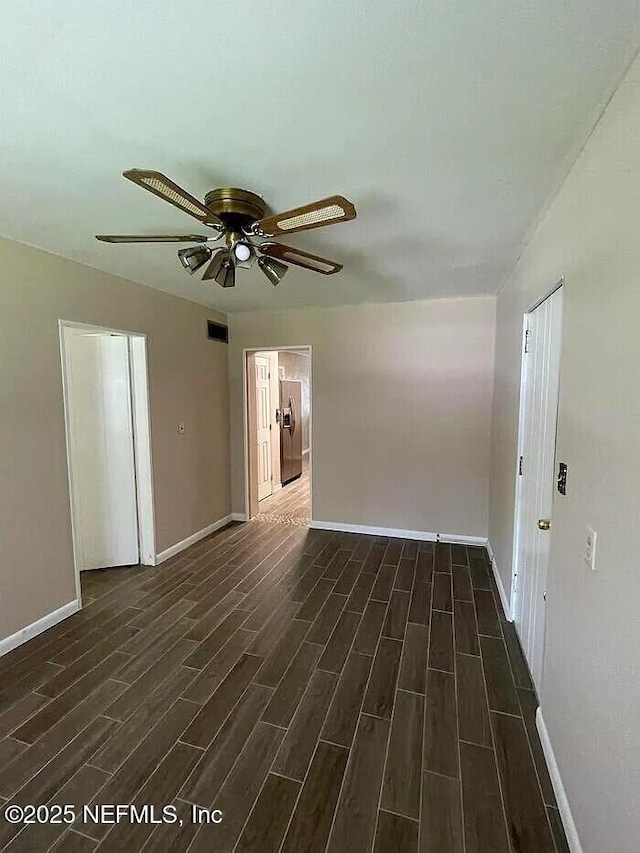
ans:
x=238 y=216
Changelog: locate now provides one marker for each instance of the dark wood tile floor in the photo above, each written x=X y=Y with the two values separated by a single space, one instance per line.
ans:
x=324 y=691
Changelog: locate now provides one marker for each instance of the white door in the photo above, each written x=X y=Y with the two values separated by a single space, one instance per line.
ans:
x=263 y=417
x=534 y=523
x=102 y=452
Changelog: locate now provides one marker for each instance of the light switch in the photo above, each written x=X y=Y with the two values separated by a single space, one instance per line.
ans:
x=562 y=478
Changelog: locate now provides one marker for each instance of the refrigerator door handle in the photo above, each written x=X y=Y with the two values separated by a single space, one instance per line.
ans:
x=292 y=405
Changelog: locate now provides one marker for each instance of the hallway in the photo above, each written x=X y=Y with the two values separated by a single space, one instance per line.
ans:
x=324 y=690
x=291 y=504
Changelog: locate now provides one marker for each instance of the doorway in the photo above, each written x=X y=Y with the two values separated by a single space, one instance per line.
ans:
x=106 y=405
x=540 y=380
x=278 y=434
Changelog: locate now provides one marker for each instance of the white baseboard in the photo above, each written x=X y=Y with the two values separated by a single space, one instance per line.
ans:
x=561 y=796
x=48 y=621
x=190 y=540
x=506 y=602
x=399 y=533
x=238 y=516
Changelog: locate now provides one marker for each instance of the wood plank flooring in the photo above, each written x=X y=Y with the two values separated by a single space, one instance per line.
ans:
x=325 y=691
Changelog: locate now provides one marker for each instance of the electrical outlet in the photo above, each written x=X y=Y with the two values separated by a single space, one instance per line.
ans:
x=590 y=548
x=181 y=429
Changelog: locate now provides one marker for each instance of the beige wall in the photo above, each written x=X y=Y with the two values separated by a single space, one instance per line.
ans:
x=591 y=687
x=188 y=382
x=401 y=408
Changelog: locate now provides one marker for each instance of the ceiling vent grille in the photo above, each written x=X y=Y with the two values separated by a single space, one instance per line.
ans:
x=217 y=332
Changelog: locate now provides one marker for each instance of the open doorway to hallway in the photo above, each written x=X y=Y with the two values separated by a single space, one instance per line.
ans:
x=107 y=421
x=278 y=434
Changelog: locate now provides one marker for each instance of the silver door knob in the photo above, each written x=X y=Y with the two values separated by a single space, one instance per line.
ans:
x=544 y=523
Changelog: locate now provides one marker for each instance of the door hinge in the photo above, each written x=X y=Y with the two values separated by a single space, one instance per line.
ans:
x=520 y=466
x=527 y=341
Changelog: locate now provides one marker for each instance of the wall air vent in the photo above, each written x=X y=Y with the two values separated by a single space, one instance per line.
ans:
x=217 y=332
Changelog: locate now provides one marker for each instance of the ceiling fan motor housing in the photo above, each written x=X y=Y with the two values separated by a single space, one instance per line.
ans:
x=237 y=208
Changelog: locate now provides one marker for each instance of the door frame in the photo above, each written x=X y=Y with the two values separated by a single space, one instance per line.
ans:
x=515 y=598
x=141 y=414
x=274 y=396
x=249 y=498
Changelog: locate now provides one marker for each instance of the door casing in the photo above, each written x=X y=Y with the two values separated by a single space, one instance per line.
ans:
x=264 y=425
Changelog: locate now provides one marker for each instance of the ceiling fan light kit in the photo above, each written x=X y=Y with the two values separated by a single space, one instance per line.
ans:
x=214 y=267
x=274 y=270
x=194 y=257
x=226 y=275
x=239 y=216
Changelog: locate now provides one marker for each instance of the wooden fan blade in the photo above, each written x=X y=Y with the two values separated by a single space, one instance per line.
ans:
x=301 y=259
x=166 y=189
x=328 y=211
x=152 y=238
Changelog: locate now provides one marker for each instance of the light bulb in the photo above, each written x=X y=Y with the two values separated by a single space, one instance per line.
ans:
x=242 y=251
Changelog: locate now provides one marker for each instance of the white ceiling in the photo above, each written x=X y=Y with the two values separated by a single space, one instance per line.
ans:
x=448 y=124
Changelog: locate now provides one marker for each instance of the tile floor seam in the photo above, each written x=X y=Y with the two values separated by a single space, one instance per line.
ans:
x=152 y=770
x=457 y=702
x=537 y=774
x=399 y=814
x=424 y=709
x=320 y=740
x=506 y=713
x=442 y=775
x=395 y=704
x=52 y=758
x=302 y=784
x=493 y=739
x=358 y=720
x=275 y=756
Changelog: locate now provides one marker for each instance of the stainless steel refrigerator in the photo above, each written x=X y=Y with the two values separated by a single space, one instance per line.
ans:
x=290 y=420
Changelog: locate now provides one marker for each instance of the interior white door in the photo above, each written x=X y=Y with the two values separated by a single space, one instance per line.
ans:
x=541 y=375
x=102 y=450
x=263 y=418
